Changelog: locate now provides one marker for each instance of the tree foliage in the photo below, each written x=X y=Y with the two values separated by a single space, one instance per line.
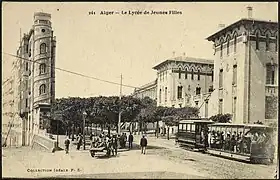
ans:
x=221 y=118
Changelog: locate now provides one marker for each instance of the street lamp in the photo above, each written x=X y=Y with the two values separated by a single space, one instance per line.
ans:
x=84 y=126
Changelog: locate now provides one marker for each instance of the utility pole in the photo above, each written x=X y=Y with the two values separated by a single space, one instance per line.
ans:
x=119 y=123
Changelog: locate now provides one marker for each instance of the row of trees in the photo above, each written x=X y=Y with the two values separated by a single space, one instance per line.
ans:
x=104 y=111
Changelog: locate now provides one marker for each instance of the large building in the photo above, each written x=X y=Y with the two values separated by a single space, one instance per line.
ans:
x=246 y=71
x=184 y=81
x=147 y=90
x=34 y=78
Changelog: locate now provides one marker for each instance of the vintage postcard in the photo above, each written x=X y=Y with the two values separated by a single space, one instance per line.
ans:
x=140 y=90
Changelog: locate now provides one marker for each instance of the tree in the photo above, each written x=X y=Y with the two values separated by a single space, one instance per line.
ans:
x=221 y=118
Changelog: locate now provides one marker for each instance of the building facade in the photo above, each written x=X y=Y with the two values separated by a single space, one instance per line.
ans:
x=34 y=77
x=246 y=71
x=147 y=90
x=184 y=81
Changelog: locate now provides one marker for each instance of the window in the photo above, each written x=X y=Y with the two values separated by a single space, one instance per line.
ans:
x=180 y=105
x=26 y=66
x=228 y=46
x=234 y=108
x=198 y=75
x=196 y=103
x=186 y=74
x=42 y=68
x=26 y=48
x=234 y=80
x=192 y=74
x=26 y=102
x=221 y=55
x=160 y=96
x=179 y=73
x=270 y=74
x=221 y=78
x=212 y=75
x=267 y=43
x=43 y=30
x=42 y=89
x=198 y=89
x=257 y=41
x=26 y=84
x=180 y=91
x=235 y=43
x=43 y=48
x=165 y=94
x=220 y=106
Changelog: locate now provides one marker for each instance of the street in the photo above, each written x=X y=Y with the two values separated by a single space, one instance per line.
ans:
x=163 y=160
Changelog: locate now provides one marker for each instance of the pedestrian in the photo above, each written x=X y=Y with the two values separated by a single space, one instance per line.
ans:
x=115 y=144
x=130 y=140
x=125 y=139
x=67 y=143
x=80 y=140
x=143 y=144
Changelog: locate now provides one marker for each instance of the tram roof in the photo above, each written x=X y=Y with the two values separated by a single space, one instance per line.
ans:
x=196 y=121
x=240 y=125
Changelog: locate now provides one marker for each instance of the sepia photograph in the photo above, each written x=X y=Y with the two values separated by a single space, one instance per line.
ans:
x=148 y=90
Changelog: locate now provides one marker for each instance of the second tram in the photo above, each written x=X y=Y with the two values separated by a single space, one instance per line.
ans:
x=249 y=142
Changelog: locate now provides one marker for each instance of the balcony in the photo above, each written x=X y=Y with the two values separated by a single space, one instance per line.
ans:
x=271 y=90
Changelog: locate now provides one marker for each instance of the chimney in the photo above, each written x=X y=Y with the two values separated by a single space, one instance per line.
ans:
x=250 y=12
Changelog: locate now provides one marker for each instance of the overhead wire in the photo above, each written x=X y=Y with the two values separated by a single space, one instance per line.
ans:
x=72 y=72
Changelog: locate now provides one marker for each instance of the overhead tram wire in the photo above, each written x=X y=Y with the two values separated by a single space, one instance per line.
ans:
x=71 y=72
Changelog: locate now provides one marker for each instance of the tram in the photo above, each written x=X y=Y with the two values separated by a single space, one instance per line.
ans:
x=193 y=134
x=247 y=142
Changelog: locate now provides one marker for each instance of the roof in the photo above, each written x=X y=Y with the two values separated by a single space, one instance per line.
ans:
x=241 y=125
x=185 y=59
x=196 y=121
x=239 y=22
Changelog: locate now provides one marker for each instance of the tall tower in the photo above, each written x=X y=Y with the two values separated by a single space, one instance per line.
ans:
x=43 y=72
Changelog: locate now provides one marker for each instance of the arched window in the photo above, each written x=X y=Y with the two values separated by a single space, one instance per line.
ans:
x=267 y=43
x=235 y=42
x=192 y=74
x=228 y=46
x=43 y=48
x=198 y=75
x=42 y=68
x=42 y=89
x=257 y=41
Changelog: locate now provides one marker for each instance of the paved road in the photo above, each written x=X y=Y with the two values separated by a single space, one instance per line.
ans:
x=163 y=160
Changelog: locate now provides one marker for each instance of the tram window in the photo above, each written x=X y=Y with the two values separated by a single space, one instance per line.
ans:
x=193 y=128
x=239 y=137
x=188 y=127
x=184 y=127
x=246 y=142
x=180 y=127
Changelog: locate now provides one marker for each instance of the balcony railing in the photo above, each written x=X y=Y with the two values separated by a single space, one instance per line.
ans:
x=271 y=90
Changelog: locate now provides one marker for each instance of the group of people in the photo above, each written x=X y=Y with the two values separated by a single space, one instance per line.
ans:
x=111 y=143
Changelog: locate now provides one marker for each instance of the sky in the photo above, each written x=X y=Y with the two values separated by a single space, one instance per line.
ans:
x=106 y=46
